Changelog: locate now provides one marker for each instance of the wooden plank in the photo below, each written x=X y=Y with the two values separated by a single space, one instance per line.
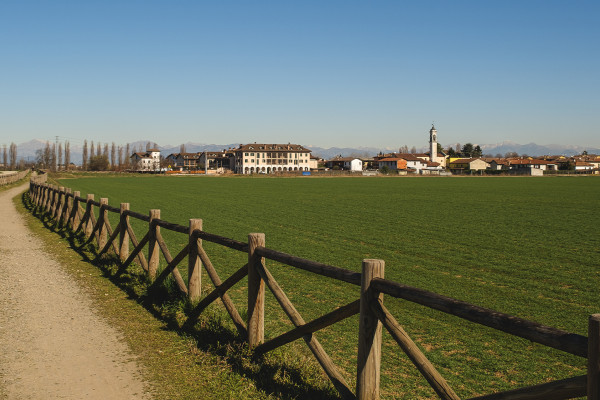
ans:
x=436 y=381
x=310 y=327
x=171 y=266
x=227 y=302
x=140 y=255
x=546 y=335
x=153 y=248
x=215 y=294
x=221 y=240
x=139 y=216
x=124 y=236
x=102 y=217
x=109 y=243
x=194 y=267
x=171 y=226
x=256 y=292
x=176 y=275
x=557 y=390
x=593 y=374
x=134 y=254
x=312 y=266
x=313 y=344
x=110 y=233
x=368 y=362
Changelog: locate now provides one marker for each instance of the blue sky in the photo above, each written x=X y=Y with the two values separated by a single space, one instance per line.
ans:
x=323 y=73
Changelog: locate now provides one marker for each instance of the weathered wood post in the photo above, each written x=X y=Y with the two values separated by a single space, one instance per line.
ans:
x=369 y=334
x=124 y=235
x=153 y=248
x=55 y=198
x=194 y=268
x=67 y=208
x=47 y=200
x=593 y=375
x=256 y=292
x=41 y=195
x=75 y=210
x=89 y=225
x=50 y=197
x=102 y=218
x=60 y=198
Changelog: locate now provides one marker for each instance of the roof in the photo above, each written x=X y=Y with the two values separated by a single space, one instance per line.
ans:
x=273 y=147
x=463 y=160
x=530 y=162
x=392 y=159
x=149 y=150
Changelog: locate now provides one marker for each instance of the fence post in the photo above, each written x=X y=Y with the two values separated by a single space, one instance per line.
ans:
x=50 y=197
x=89 y=225
x=153 y=249
x=194 y=269
x=103 y=218
x=124 y=235
x=593 y=375
x=60 y=198
x=369 y=334
x=75 y=210
x=256 y=292
x=68 y=205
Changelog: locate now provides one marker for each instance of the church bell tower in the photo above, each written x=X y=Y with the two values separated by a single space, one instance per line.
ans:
x=432 y=143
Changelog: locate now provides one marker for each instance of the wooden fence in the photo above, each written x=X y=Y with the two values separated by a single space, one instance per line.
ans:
x=11 y=177
x=79 y=214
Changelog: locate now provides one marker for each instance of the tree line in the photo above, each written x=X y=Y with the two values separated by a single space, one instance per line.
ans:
x=95 y=156
x=9 y=157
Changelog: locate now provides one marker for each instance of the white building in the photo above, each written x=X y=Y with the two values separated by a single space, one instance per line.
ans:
x=268 y=158
x=148 y=161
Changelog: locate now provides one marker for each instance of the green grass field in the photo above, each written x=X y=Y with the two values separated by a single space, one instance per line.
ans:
x=523 y=246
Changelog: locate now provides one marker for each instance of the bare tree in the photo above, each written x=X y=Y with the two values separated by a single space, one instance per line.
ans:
x=60 y=155
x=113 y=155
x=84 y=155
x=105 y=153
x=127 y=155
x=4 y=157
x=182 y=148
x=413 y=150
x=13 y=155
x=67 y=154
x=53 y=157
x=98 y=149
x=120 y=151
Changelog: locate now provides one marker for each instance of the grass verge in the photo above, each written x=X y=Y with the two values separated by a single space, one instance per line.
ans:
x=206 y=361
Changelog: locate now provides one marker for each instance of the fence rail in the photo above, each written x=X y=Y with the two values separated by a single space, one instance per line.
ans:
x=71 y=210
x=10 y=177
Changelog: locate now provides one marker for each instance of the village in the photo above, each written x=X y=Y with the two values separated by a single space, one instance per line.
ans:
x=261 y=158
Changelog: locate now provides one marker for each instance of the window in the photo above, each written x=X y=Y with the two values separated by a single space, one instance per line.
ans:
x=246 y=154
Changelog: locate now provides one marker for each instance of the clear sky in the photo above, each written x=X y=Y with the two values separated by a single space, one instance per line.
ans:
x=323 y=73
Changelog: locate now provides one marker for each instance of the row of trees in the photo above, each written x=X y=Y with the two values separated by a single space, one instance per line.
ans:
x=9 y=156
x=95 y=156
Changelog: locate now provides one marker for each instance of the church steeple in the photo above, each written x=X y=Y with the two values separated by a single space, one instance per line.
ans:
x=432 y=143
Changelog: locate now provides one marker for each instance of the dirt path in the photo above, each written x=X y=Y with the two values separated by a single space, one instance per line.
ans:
x=53 y=345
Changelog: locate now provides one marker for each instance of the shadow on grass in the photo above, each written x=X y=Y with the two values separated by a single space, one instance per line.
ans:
x=279 y=373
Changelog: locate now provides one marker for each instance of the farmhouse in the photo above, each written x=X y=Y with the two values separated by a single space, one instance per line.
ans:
x=269 y=158
x=217 y=160
x=148 y=161
x=345 y=163
x=531 y=166
x=459 y=165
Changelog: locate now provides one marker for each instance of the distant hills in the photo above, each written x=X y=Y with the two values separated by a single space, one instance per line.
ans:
x=27 y=150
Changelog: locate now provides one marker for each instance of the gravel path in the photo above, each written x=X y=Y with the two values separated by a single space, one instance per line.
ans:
x=53 y=345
